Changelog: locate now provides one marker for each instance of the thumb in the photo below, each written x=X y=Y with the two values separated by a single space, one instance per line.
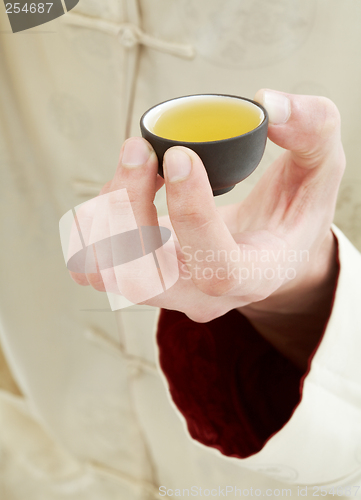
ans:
x=308 y=126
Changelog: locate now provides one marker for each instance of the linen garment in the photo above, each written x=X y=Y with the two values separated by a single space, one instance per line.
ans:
x=93 y=417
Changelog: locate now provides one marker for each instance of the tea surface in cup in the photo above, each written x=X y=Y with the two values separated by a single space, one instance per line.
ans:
x=206 y=118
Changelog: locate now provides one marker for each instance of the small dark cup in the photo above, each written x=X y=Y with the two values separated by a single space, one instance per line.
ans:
x=227 y=161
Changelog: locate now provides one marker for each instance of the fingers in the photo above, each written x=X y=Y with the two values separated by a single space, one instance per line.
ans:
x=78 y=245
x=137 y=173
x=124 y=205
x=203 y=236
x=95 y=279
x=79 y=278
x=133 y=222
x=309 y=126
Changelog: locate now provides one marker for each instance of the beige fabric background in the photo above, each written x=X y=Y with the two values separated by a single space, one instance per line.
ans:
x=71 y=91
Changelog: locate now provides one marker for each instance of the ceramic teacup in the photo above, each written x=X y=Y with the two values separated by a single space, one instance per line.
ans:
x=227 y=132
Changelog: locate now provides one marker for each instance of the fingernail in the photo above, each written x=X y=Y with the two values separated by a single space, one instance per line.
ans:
x=135 y=153
x=178 y=165
x=278 y=107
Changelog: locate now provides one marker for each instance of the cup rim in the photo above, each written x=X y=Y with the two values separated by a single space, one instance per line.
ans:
x=174 y=141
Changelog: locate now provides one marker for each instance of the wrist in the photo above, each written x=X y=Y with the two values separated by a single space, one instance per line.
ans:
x=293 y=319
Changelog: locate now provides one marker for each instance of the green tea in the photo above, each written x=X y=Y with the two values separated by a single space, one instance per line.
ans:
x=207 y=119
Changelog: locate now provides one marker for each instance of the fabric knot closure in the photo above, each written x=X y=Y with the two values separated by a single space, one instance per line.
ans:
x=129 y=35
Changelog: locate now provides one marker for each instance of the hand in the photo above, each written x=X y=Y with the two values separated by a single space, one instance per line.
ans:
x=271 y=256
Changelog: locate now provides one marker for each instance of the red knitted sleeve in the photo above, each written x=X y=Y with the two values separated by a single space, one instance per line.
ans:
x=234 y=389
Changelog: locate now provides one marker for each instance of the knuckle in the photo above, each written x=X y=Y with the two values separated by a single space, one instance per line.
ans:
x=330 y=120
x=80 y=279
x=119 y=198
x=124 y=204
x=199 y=316
x=216 y=286
x=193 y=220
x=106 y=188
x=95 y=280
x=340 y=164
x=206 y=314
